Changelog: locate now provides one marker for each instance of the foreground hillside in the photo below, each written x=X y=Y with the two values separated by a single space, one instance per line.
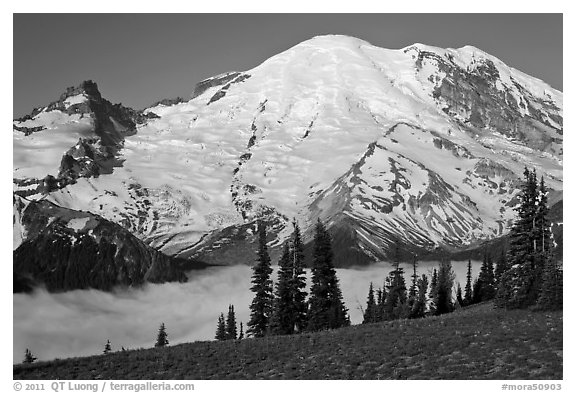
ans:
x=475 y=343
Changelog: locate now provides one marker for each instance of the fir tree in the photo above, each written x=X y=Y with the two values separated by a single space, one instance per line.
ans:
x=261 y=307
x=459 y=298
x=370 y=312
x=433 y=291
x=468 y=287
x=282 y=316
x=221 y=328
x=231 y=328
x=520 y=285
x=414 y=285
x=477 y=291
x=380 y=296
x=486 y=285
x=241 y=334
x=326 y=307
x=396 y=300
x=445 y=281
x=419 y=308
x=162 y=338
x=298 y=282
x=107 y=347
x=551 y=297
x=28 y=357
x=500 y=268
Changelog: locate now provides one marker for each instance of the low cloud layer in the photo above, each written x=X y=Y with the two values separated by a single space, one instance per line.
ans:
x=78 y=323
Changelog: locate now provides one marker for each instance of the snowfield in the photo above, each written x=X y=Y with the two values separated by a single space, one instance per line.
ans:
x=333 y=118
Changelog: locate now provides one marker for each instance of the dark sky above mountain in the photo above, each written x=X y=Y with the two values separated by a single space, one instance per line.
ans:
x=138 y=59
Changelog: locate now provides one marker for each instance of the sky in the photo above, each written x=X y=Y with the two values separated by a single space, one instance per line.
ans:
x=138 y=59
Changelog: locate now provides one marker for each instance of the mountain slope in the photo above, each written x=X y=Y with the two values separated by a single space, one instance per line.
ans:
x=418 y=149
x=66 y=249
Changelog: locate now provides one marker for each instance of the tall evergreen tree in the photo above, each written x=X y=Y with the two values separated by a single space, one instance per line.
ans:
x=282 y=316
x=261 y=307
x=486 y=284
x=162 y=338
x=298 y=282
x=380 y=296
x=520 y=285
x=326 y=307
x=419 y=308
x=468 y=287
x=28 y=357
x=443 y=301
x=459 y=298
x=241 y=334
x=551 y=298
x=414 y=285
x=370 y=312
x=221 y=328
x=477 y=291
x=231 y=328
x=396 y=298
x=500 y=268
x=107 y=347
x=433 y=291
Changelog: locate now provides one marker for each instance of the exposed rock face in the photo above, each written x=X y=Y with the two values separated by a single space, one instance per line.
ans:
x=66 y=249
x=96 y=154
x=218 y=80
x=416 y=151
x=479 y=98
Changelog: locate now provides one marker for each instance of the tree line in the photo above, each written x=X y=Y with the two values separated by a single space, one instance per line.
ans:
x=525 y=276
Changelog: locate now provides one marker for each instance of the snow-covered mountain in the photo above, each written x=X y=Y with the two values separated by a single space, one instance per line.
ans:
x=413 y=150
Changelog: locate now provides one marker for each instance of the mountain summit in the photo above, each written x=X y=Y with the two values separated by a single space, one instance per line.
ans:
x=401 y=152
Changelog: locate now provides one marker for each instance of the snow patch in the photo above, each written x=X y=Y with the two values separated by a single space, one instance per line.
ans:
x=77 y=224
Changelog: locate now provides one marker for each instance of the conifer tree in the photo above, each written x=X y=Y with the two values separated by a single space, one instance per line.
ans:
x=486 y=285
x=261 y=307
x=379 y=313
x=521 y=284
x=433 y=291
x=468 y=287
x=551 y=298
x=459 y=298
x=282 y=316
x=107 y=347
x=162 y=338
x=298 y=282
x=445 y=281
x=231 y=328
x=543 y=235
x=419 y=308
x=370 y=312
x=28 y=357
x=241 y=334
x=477 y=291
x=500 y=268
x=326 y=307
x=414 y=285
x=396 y=300
x=221 y=328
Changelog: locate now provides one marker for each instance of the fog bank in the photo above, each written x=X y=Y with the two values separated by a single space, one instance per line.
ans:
x=78 y=323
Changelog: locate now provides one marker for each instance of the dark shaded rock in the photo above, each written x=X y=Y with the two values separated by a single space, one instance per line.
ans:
x=67 y=249
x=168 y=102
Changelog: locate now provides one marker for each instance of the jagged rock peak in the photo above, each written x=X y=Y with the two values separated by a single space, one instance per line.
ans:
x=88 y=87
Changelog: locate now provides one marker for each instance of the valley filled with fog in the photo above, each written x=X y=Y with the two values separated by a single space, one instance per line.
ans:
x=78 y=323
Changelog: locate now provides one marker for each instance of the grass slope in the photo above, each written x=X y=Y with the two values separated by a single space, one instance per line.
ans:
x=473 y=343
